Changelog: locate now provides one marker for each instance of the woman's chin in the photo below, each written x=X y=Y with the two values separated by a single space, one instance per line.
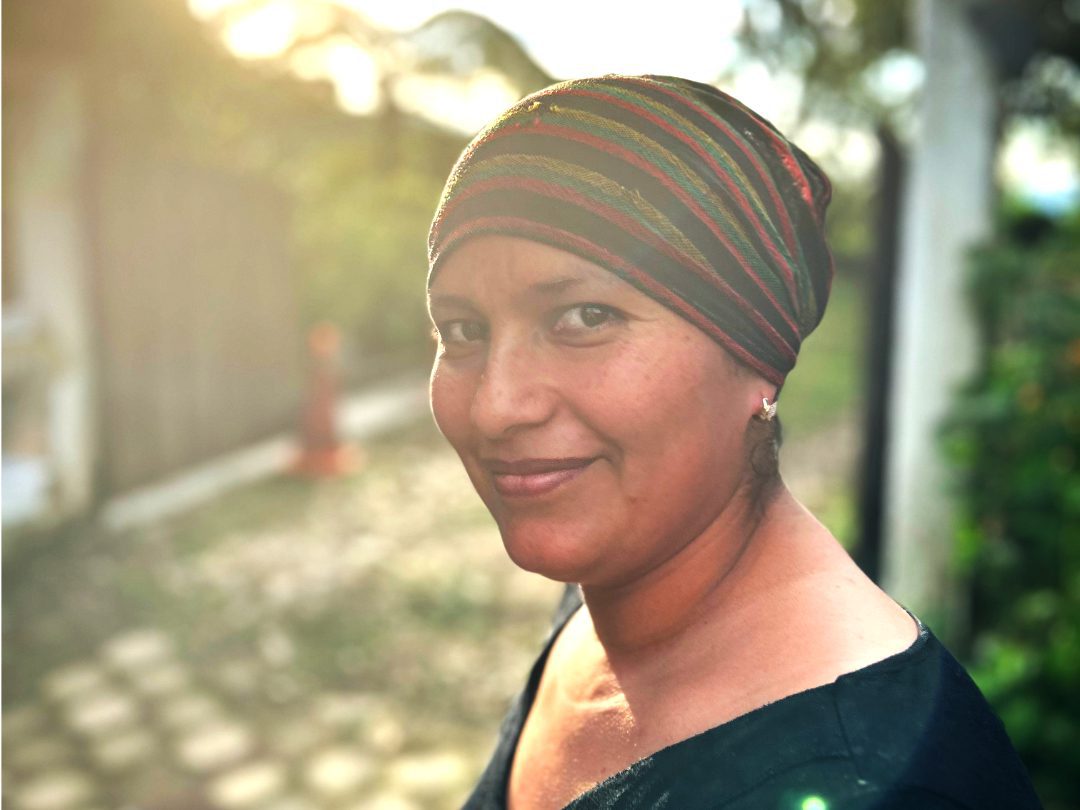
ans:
x=560 y=555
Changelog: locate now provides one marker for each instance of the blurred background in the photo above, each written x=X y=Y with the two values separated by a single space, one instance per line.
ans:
x=241 y=569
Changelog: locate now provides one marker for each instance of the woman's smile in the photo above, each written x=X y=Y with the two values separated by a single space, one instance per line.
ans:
x=534 y=477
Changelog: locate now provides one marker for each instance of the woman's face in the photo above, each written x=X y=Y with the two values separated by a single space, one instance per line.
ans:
x=603 y=431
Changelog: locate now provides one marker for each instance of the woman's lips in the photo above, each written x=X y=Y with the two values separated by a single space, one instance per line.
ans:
x=532 y=477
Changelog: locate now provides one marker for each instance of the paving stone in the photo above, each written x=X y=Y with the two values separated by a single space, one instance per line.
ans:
x=54 y=790
x=385 y=734
x=427 y=776
x=138 y=648
x=36 y=752
x=385 y=801
x=101 y=712
x=290 y=803
x=335 y=772
x=160 y=680
x=22 y=721
x=214 y=745
x=187 y=709
x=276 y=647
x=247 y=785
x=297 y=737
x=124 y=751
x=74 y=681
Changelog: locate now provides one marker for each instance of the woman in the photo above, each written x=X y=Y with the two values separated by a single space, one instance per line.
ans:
x=622 y=270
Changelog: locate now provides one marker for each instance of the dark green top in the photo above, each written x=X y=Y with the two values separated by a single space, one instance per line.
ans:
x=911 y=731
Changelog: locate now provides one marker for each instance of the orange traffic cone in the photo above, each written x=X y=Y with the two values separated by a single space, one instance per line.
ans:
x=322 y=453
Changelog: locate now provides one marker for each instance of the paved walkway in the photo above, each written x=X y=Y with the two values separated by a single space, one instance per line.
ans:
x=289 y=645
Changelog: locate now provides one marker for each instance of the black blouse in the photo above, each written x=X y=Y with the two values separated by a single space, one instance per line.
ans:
x=911 y=731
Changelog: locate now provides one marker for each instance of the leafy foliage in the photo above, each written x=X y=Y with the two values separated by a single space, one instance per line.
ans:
x=831 y=45
x=361 y=229
x=1015 y=434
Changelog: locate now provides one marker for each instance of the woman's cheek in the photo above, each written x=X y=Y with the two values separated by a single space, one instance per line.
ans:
x=450 y=403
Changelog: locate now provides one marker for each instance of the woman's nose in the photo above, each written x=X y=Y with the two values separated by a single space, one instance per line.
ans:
x=512 y=392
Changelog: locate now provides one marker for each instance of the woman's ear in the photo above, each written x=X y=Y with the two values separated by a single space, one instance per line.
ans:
x=760 y=393
x=763 y=405
x=767 y=411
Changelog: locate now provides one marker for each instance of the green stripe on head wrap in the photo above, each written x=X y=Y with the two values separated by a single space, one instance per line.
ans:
x=672 y=185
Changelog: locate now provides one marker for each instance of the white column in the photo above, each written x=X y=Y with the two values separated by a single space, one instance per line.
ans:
x=947 y=207
x=51 y=261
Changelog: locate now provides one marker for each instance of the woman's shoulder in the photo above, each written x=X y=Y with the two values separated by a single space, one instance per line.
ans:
x=909 y=731
x=916 y=720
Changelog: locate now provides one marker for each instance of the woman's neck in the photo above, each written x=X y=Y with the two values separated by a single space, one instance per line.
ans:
x=706 y=589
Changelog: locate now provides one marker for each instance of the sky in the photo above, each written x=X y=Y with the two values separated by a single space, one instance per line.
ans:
x=559 y=34
x=686 y=38
x=678 y=37
x=562 y=35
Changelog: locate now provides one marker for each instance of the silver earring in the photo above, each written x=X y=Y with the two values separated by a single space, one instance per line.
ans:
x=767 y=412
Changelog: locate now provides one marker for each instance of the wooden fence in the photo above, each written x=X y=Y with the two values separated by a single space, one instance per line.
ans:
x=200 y=348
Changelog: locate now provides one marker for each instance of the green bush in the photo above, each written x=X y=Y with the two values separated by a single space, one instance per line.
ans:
x=1015 y=435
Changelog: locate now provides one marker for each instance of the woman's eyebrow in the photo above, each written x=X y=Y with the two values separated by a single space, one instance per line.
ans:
x=558 y=285
x=550 y=289
x=540 y=289
x=446 y=300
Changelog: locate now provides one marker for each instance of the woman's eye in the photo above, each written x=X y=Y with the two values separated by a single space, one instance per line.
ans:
x=459 y=332
x=585 y=317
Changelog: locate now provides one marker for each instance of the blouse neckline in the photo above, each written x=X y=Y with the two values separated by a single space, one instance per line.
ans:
x=528 y=698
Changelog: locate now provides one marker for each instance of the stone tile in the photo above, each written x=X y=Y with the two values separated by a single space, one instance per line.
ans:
x=214 y=745
x=247 y=785
x=187 y=709
x=101 y=712
x=385 y=734
x=75 y=680
x=427 y=776
x=280 y=590
x=138 y=648
x=291 y=803
x=123 y=751
x=276 y=648
x=385 y=801
x=54 y=790
x=35 y=753
x=297 y=737
x=159 y=680
x=338 y=771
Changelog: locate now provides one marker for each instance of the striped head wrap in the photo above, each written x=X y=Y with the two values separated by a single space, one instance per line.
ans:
x=672 y=185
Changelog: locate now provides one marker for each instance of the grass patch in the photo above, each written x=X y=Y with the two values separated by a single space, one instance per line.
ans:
x=827 y=380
